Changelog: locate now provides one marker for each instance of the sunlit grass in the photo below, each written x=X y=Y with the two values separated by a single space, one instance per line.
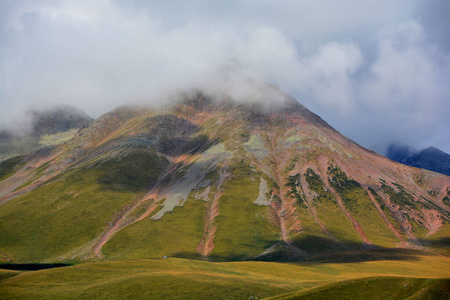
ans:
x=174 y=278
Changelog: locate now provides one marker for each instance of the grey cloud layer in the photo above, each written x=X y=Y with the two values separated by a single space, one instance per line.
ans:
x=376 y=70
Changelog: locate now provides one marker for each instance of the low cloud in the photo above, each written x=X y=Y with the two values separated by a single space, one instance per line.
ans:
x=374 y=70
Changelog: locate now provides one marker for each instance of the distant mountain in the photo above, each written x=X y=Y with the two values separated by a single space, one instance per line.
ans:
x=40 y=128
x=59 y=118
x=209 y=177
x=430 y=158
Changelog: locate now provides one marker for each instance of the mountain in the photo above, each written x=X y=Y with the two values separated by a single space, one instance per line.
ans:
x=430 y=158
x=41 y=127
x=211 y=178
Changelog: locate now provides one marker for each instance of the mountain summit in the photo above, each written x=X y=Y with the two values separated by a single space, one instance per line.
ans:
x=214 y=179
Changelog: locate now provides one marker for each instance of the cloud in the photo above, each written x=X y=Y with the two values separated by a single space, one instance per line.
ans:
x=327 y=75
x=378 y=64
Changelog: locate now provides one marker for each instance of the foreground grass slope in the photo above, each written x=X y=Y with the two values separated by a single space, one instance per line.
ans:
x=174 y=278
x=377 y=288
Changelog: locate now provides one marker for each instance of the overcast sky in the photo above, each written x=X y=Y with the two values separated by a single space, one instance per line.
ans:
x=378 y=71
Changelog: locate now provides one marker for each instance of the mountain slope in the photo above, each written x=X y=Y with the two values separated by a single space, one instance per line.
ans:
x=430 y=158
x=219 y=180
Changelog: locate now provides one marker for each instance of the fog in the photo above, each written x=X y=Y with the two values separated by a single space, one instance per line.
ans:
x=377 y=71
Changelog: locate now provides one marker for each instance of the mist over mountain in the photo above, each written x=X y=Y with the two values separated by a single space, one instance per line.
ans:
x=431 y=158
x=40 y=127
x=208 y=177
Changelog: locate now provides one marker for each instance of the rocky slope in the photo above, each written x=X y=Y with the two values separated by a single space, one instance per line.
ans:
x=215 y=179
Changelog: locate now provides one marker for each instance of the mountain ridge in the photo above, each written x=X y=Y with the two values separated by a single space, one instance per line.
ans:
x=222 y=180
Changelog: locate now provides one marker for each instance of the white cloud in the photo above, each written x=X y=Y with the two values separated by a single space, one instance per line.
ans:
x=327 y=75
x=349 y=61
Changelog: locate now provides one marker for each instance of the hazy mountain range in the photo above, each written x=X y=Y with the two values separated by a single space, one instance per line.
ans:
x=430 y=158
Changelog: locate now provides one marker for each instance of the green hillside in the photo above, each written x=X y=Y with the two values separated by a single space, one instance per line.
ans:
x=190 y=279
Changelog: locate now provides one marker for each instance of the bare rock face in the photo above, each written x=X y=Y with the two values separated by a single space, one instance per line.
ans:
x=216 y=179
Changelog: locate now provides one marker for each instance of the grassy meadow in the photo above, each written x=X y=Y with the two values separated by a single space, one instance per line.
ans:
x=397 y=273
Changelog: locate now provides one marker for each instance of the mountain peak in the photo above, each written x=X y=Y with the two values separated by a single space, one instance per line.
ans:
x=431 y=158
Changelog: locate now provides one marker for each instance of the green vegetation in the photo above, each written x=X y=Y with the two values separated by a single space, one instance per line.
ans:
x=377 y=288
x=446 y=200
x=440 y=240
x=387 y=212
x=8 y=167
x=400 y=198
x=60 y=217
x=176 y=234
x=137 y=171
x=292 y=183
x=4 y=274
x=405 y=200
x=331 y=216
x=57 y=138
x=173 y=278
x=358 y=203
x=244 y=228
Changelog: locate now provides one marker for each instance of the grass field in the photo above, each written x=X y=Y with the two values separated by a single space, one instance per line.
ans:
x=377 y=288
x=406 y=273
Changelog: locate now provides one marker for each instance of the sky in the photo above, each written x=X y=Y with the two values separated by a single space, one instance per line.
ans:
x=377 y=71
